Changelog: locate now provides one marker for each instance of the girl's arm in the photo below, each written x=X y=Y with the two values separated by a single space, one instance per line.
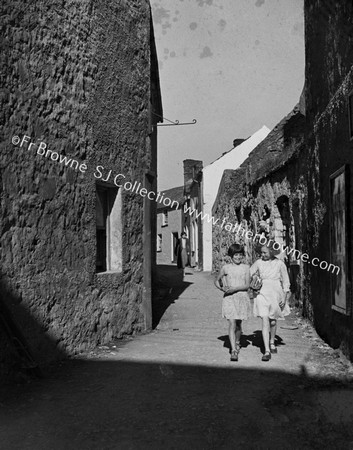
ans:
x=254 y=268
x=285 y=280
x=218 y=281
x=242 y=287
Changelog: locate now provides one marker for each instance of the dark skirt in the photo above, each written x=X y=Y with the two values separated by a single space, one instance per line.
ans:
x=182 y=258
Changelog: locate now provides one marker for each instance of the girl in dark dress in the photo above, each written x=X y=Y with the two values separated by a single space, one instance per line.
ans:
x=182 y=252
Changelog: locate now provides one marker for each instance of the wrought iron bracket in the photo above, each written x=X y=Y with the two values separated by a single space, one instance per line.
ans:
x=173 y=123
x=176 y=122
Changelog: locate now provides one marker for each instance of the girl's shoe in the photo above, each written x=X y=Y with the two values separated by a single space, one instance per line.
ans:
x=266 y=357
x=234 y=355
x=273 y=348
x=235 y=352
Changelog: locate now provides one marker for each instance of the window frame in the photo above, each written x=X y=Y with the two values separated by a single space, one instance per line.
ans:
x=343 y=170
x=164 y=218
x=159 y=242
x=112 y=195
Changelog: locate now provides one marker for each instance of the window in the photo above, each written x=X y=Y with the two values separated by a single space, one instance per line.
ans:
x=165 y=219
x=108 y=229
x=159 y=242
x=339 y=257
x=192 y=237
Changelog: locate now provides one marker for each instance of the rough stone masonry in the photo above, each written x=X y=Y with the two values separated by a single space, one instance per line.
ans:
x=81 y=76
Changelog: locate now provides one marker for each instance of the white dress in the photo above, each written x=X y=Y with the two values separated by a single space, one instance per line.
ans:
x=275 y=284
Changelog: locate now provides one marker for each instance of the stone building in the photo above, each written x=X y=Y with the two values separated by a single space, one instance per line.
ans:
x=77 y=245
x=265 y=196
x=297 y=184
x=329 y=114
x=211 y=177
x=169 y=225
x=181 y=216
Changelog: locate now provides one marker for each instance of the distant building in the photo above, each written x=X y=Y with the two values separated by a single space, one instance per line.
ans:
x=192 y=222
x=77 y=246
x=169 y=225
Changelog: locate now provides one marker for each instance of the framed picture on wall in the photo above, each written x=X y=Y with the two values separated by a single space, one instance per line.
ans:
x=339 y=240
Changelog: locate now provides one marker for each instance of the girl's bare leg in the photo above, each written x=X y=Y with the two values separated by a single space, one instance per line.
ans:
x=266 y=333
x=273 y=329
x=231 y=332
x=237 y=332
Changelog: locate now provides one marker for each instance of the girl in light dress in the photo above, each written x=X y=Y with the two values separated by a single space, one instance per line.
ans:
x=271 y=302
x=233 y=279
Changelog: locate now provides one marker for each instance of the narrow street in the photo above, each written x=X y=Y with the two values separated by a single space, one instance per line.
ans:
x=176 y=388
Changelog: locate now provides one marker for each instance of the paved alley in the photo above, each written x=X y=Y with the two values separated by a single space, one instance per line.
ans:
x=175 y=388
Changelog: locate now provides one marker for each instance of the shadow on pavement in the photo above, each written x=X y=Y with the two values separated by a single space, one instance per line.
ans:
x=167 y=287
x=94 y=404
x=254 y=339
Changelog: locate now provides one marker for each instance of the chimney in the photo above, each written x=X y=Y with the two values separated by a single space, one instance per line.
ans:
x=237 y=142
x=191 y=168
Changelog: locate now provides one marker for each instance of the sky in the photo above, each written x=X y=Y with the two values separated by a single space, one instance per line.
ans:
x=233 y=65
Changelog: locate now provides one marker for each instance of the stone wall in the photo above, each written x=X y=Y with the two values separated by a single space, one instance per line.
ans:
x=77 y=76
x=328 y=55
x=266 y=194
x=329 y=80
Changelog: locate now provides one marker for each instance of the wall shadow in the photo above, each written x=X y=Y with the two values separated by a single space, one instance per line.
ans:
x=168 y=284
x=24 y=345
x=138 y=405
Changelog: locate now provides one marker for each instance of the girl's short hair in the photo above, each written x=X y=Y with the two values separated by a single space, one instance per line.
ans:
x=235 y=248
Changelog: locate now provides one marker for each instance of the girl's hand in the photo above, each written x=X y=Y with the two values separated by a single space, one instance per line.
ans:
x=226 y=291
x=230 y=290
x=282 y=304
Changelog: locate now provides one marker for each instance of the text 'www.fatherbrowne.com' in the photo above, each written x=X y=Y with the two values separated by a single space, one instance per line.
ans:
x=262 y=240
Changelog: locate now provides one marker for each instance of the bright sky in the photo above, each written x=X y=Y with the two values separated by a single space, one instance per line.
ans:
x=233 y=65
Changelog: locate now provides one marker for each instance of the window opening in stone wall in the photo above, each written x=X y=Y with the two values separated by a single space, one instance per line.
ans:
x=159 y=242
x=165 y=219
x=283 y=221
x=192 y=238
x=195 y=248
x=108 y=229
x=247 y=213
x=265 y=223
x=238 y=214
